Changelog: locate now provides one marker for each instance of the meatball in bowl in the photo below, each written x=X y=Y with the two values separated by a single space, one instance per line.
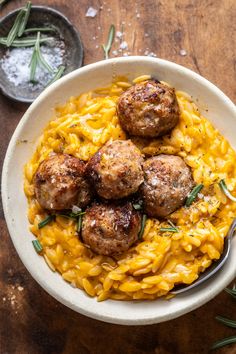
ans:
x=116 y=169
x=148 y=109
x=167 y=183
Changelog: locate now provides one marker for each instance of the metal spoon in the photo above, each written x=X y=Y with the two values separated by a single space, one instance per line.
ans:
x=213 y=268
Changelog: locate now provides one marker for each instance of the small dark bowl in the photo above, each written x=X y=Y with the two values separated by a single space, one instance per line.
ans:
x=41 y=16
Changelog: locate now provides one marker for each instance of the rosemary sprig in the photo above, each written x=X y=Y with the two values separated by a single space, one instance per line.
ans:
x=25 y=42
x=221 y=343
x=168 y=229
x=110 y=39
x=19 y=24
x=173 y=225
x=137 y=206
x=40 y=29
x=224 y=188
x=226 y=321
x=46 y=221
x=193 y=194
x=36 y=59
x=15 y=28
x=57 y=75
x=79 y=223
x=37 y=246
x=24 y=19
x=143 y=222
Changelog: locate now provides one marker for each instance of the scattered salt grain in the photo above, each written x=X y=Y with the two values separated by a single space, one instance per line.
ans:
x=114 y=52
x=138 y=15
x=91 y=12
x=76 y=209
x=20 y=288
x=200 y=195
x=183 y=52
x=146 y=35
x=123 y=45
x=3 y=299
x=119 y=34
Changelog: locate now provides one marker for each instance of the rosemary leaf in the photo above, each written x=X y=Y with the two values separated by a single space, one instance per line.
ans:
x=143 y=222
x=226 y=321
x=57 y=75
x=168 y=229
x=110 y=40
x=37 y=246
x=40 y=29
x=173 y=225
x=221 y=343
x=224 y=188
x=33 y=66
x=193 y=194
x=46 y=221
x=25 y=42
x=24 y=19
x=40 y=58
x=79 y=223
x=15 y=28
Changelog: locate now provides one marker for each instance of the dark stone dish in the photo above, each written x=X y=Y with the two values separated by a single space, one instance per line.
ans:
x=41 y=16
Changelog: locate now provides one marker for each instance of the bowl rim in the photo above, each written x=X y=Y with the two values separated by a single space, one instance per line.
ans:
x=68 y=24
x=106 y=317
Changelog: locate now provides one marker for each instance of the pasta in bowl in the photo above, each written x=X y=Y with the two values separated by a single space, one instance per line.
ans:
x=171 y=251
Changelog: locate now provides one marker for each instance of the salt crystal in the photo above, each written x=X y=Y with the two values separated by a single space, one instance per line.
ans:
x=76 y=209
x=183 y=52
x=114 y=52
x=99 y=27
x=200 y=195
x=138 y=15
x=91 y=12
x=123 y=45
x=125 y=54
x=20 y=288
x=119 y=34
x=146 y=35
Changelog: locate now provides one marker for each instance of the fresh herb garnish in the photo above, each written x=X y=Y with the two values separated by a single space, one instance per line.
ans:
x=36 y=59
x=57 y=75
x=25 y=42
x=37 y=246
x=19 y=24
x=46 y=221
x=79 y=223
x=193 y=194
x=168 y=229
x=143 y=222
x=110 y=39
x=227 y=322
x=40 y=29
x=24 y=19
x=137 y=206
x=224 y=188
x=173 y=228
x=221 y=343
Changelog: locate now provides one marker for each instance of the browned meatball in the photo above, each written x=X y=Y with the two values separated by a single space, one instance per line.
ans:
x=148 y=109
x=60 y=183
x=110 y=229
x=167 y=182
x=116 y=169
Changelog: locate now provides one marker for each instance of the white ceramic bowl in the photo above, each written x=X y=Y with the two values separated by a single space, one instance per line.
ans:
x=221 y=112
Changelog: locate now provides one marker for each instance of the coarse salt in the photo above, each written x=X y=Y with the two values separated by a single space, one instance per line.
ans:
x=123 y=45
x=91 y=12
x=183 y=52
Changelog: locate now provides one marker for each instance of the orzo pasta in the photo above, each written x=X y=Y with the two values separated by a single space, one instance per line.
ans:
x=153 y=266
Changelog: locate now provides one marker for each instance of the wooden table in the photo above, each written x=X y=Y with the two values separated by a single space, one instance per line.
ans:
x=33 y=322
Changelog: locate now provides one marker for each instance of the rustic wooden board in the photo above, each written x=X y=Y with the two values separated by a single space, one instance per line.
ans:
x=30 y=320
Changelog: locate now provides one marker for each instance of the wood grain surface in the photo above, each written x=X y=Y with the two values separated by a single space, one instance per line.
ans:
x=30 y=320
